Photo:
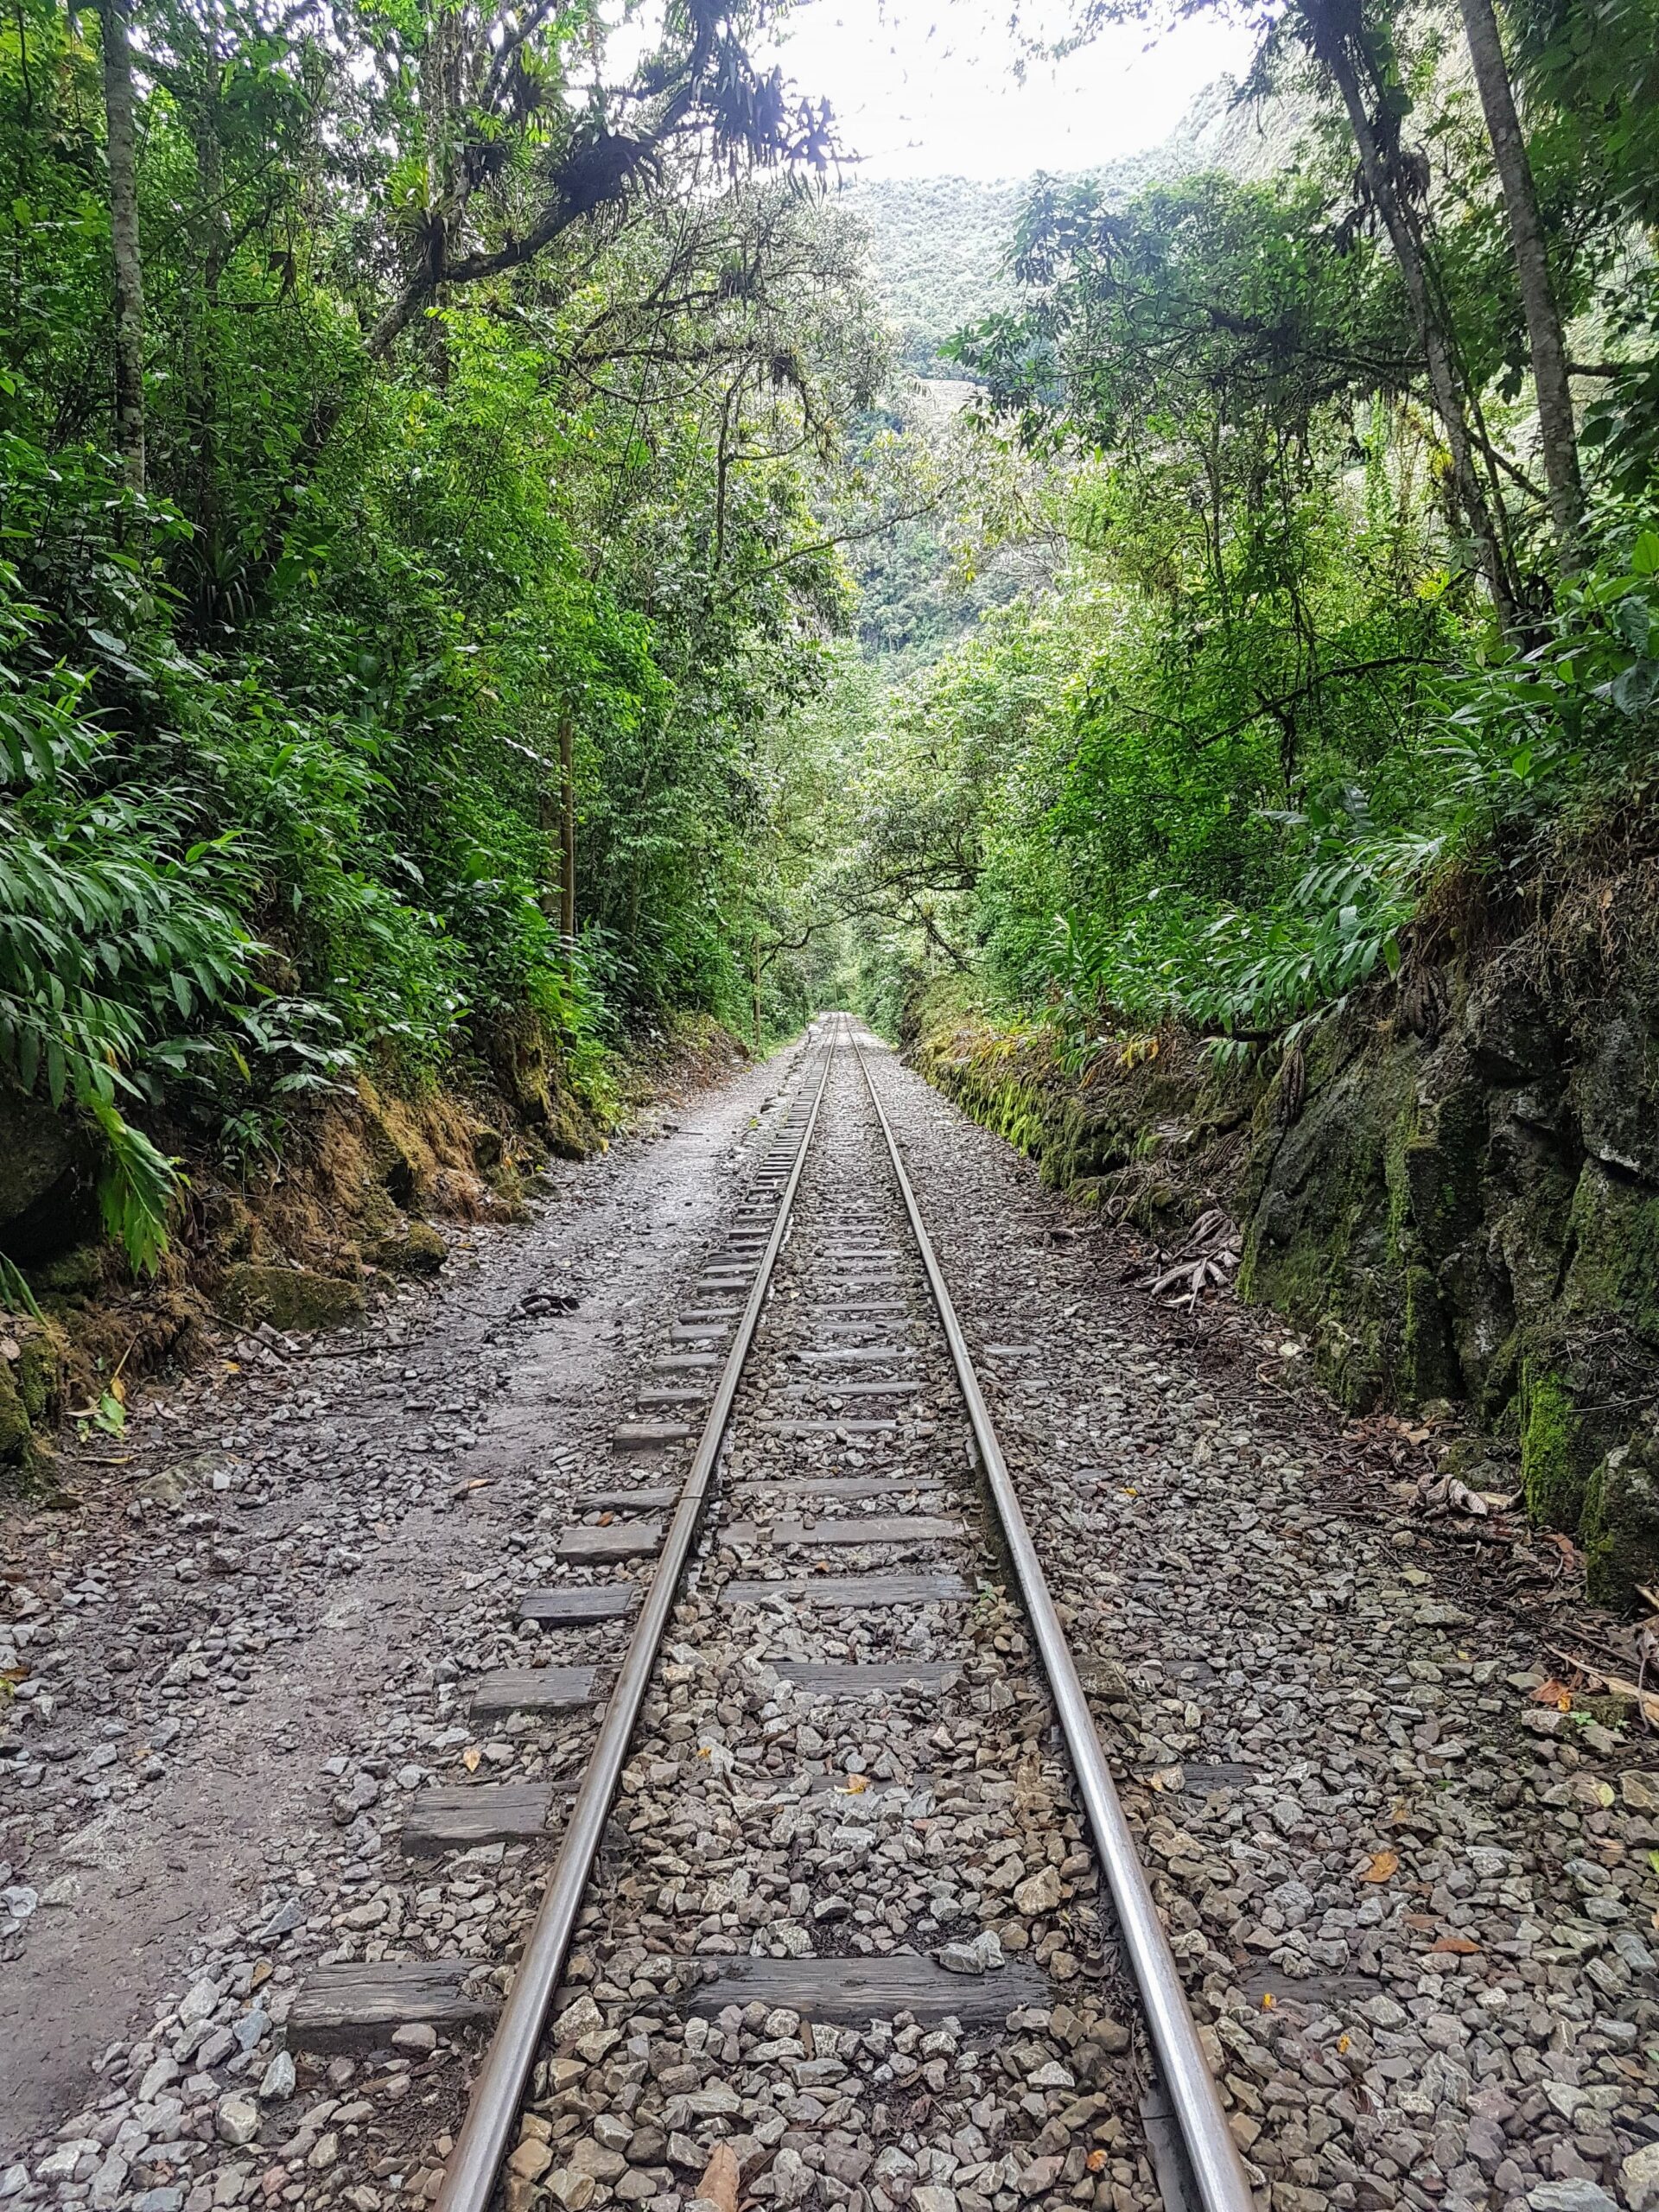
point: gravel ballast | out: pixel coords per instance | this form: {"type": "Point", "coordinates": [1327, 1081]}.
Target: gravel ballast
{"type": "Point", "coordinates": [847, 1942]}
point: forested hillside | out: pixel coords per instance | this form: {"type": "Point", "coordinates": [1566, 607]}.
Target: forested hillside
{"type": "Point", "coordinates": [415, 470]}
{"type": "Point", "coordinates": [1286, 863]}
{"type": "Point", "coordinates": [942, 247]}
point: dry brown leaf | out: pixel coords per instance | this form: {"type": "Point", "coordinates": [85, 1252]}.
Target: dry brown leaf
{"type": "Point", "coordinates": [1460, 1944]}
{"type": "Point", "coordinates": [720, 2178]}
{"type": "Point", "coordinates": [470, 1758]}
{"type": "Point", "coordinates": [1383, 1866]}
{"type": "Point", "coordinates": [1552, 1693]}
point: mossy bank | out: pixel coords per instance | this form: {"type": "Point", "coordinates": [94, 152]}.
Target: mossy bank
{"type": "Point", "coordinates": [1452, 1189]}
{"type": "Point", "coordinates": [310, 1236]}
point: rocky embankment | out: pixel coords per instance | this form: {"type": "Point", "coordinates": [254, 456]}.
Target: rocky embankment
{"type": "Point", "coordinates": [1452, 1189]}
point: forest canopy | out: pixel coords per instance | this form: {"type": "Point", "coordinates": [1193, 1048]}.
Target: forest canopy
{"type": "Point", "coordinates": [1344, 472]}
{"type": "Point", "coordinates": [418, 452]}
{"type": "Point", "coordinates": [480, 569]}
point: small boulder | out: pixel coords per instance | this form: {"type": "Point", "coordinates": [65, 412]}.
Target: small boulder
{"type": "Point", "coordinates": [277, 2083]}
{"type": "Point", "coordinates": [1039, 1892]}
{"type": "Point", "coordinates": [1620, 1527]}
{"type": "Point", "coordinates": [1574, 2195]}
{"type": "Point", "coordinates": [236, 2119]}
{"type": "Point", "coordinates": [419, 1251]}
{"type": "Point", "coordinates": [288, 1298]}
{"type": "Point", "coordinates": [982, 1955]}
{"type": "Point", "coordinates": [1640, 2174]}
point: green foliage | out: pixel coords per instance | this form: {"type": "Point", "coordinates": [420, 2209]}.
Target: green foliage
{"type": "Point", "coordinates": [117, 936]}
{"type": "Point", "coordinates": [1211, 772]}
{"type": "Point", "coordinates": [281, 732]}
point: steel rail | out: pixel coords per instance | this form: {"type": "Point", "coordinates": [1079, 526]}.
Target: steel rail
{"type": "Point", "coordinates": [1218, 2165]}
{"type": "Point", "coordinates": [474, 2166]}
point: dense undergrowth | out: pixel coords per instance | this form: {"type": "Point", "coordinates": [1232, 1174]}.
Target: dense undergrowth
{"type": "Point", "coordinates": [399, 626]}
{"type": "Point", "coordinates": [1210, 771]}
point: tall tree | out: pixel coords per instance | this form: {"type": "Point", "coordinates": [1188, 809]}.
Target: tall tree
{"type": "Point", "coordinates": [1344, 44]}
{"type": "Point", "coordinates": [505, 117]}
{"type": "Point", "coordinates": [1558, 432]}
{"type": "Point", "coordinates": [121, 144]}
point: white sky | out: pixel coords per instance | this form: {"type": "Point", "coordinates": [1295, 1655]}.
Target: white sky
{"type": "Point", "coordinates": [926, 87]}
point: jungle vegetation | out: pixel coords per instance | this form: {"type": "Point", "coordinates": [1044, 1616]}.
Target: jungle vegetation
{"type": "Point", "coordinates": [439, 463]}
{"type": "Point", "coordinates": [1345, 477]}
{"type": "Point", "coordinates": [422, 472]}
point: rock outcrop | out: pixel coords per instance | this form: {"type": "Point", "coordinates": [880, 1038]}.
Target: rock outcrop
{"type": "Point", "coordinates": [1463, 1207]}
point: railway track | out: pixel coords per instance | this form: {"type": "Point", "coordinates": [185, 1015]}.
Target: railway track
{"type": "Point", "coordinates": [844, 1910]}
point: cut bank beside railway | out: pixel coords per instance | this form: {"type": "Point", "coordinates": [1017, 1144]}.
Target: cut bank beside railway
{"type": "Point", "coordinates": [1451, 1186]}
{"type": "Point", "coordinates": [368, 1186]}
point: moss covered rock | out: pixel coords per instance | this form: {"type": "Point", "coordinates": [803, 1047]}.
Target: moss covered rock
{"type": "Point", "coordinates": [1469, 1213]}
{"type": "Point", "coordinates": [16, 1430]}
{"type": "Point", "coordinates": [1553, 1469]}
{"type": "Point", "coordinates": [526, 1066]}
{"type": "Point", "coordinates": [33, 1367]}
{"type": "Point", "coordinates": [1324, 1244]}
{"type": "Point", "coordinates": [400, 1160]}
{"type": "Point", "coordinates": [81, 1272]}
{"type": "Point", "coordinates": [288, 1298]}
{"type": "Point", "coordinates": [1620, 1523]}
{"type": "Point", "coordinates": [40, 1370]}
{"type": "Point", "coordinates": [420, 1250]}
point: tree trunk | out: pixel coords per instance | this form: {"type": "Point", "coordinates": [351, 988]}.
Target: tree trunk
{"type": "Point", "coordinates": [1332, 48]}
{"type": "Point", "coordinates": [566, 841]}
{"type": "Point", "coordinates": [201, 384]}
{"type": "Point", "coordinates": [1557, 429]}
{"type": "Point", "coordinates": [122, 143]}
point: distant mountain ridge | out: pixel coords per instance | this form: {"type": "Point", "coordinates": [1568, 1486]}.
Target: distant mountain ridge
{"type": "Point", "coordinates": [939, 245]}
